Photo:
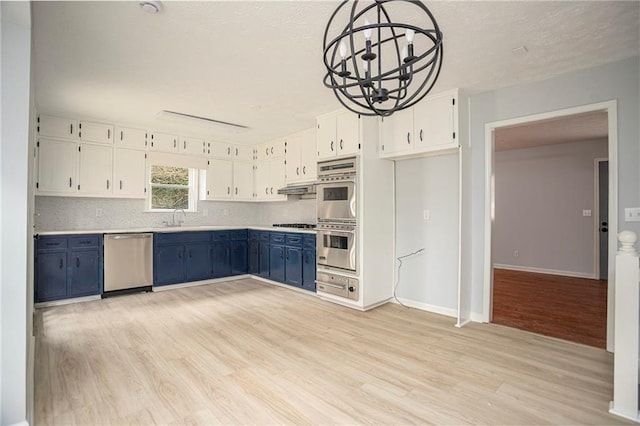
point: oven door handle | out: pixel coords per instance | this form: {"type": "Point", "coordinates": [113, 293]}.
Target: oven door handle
{"type": "Point", "coordinates": [342, 287]}
{"type": "Point", "coordinates": [332, 232]}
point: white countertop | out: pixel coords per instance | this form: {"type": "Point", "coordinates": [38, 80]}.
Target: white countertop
{"type": "Point", "coordinates": [176, 229]}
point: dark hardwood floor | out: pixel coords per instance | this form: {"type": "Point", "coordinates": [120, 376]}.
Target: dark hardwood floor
{"type": "Point", "coordinates": [569, 308]}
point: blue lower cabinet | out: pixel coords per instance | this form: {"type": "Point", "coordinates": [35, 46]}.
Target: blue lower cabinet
{"type": "Point", "coordinates": [199, 261]}
{"type": "Point", "coordinates": [309, 269]}
{"type": "Point", "coordinates": [293, 266]}
{"type": "Point", "coordinates": [168, 265]}
{"type": "Point", "coordinates": [86, 273]}
{"type": "Point", "coordinates": [67, 266]}
{"type": "Point", "coordinates": [276, 263]}
{"type": "Point", "coordinates": [264, 260]}
{"type": "Point", "coordinates": [51, 276]}
{"type": "Point", "coordinates": [239, 261]}
{"type": "Point", "coordinates": [254, 257]}
{"type": "Point", "coordinates": [221, 259]}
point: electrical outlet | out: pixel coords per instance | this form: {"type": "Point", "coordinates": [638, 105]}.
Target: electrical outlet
{"type": "Point", "coordinates": [98, 212]}
{"type": "Point", "coordinates": [586, 213]}
{"type": "Point", "coordinates": [516, 253]}
{"type": "Point", "coordinates": [426, 215]}
{"type": "Point", "coordinates": [632, 214]}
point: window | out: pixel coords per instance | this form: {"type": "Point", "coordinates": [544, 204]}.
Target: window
{"type": "Point", "coordinates": [172, 188]}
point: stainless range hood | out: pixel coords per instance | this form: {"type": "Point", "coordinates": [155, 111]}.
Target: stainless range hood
{"type": "Point", "coordinates": [306, 190]}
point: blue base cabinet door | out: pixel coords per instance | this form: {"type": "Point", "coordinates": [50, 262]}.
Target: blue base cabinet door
{"type": "Point", "coordinates": [293, 266]}
{"type": "Point", "coordinates": [239, 257]}
{"type": "Point", "coordinates": [168, 267]}
{"type": "Point", "coordinates": [199, 262]}
{"type": "Point", "coordinates": [51, 276]}
{"type": "Point", "coordinates": [264, 260]}
{"type": "Point", "coordinates": [276, 263]}
{"type": "Point", "coordinates": [309, 269]}
{"type": "Point", "coordinates": [254, 257]}
{"type": "Point", "coordinates": [221, 259]}
{"type": "Point", "coordinates": [85, 273]}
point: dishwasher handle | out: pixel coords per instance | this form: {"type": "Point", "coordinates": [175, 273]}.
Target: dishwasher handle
{"type": "Point", "coordinates": [128, 236]}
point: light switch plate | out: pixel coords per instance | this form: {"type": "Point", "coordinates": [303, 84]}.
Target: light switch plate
{"type": "Point", "coordinates": [586, 213]}
{"type": "Point", "coordinates": [632, 214]}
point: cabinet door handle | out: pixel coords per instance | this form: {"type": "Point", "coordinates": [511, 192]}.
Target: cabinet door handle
{"type": "Point", "coordinates": [184, 144]}
{"type": "Point", "coordinates": [71, 128]}
{"type": "Point", "coordinates": [408, 138]}
{"type": "Point", "coordinates": [180, 255]}
{"type": "Point", "coordinates": [236, 190]}
{"type": "Point", "coordinates": [61, 263]}
{"type": "Point", "coordinates": [236, 152]}
{"type": "Point", "coordinates": [266, 151]}
{"type": "Point", "coordinates": [331, 145]}
{"type": "Point", "coordinates": [420, 135]}
{"type": "Point", "coordinates": [266, 191]}
{"type": "Point", "coordinates": [107, 183]}
{"type": "Point", "coordinates": [228, 150]}
{"type": "Point", "coordinates": [175, 143]}
{"type": "Point", "coordinates": [77, 261]}
{"type": "Point", "coordinates": [272, 190]}
{"type": "Point", "coordinates": [271, 150]}
{"type": "Point", "coordinates": [228, 190]}
{"type": "Point", "coordinates": [108, 133]}
{"type": "Point", "coordinates": [304, 170]}
{"type": "Point", "coordinates": [70, 183]}
{"type": "Point", "coordinates": [120, 184]}
{"type": "Point", "coordinates": [341, 145]}
{"type": "Point", "coordinates": [121, 134]}
{"type": "Point", "coordinates": [298, 171]}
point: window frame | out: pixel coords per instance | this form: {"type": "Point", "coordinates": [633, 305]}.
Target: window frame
{"type": "Point", "coordinates": [192, 190]}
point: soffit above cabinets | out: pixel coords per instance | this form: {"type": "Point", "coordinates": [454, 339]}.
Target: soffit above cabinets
{"type": "Point", "coordinates": [259, 63]}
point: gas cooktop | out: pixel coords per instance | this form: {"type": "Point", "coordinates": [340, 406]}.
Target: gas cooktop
{"type": "Point", "coordinates": [295, 225]}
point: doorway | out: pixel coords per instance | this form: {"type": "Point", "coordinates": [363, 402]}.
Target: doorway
{"type": "Point", "coordinates": [608, 251]}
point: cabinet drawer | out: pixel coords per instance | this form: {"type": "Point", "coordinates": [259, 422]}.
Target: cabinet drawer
{"type": "Point", "coordinates": [51, 243]}
{"type": "Point", "coordinates": [79, 241]}
{"type": "Point", "coordinates": [277, 237]}
{"type": "Point", "coordinates": [238, 234]}
{"type": "Point", "coordinates": [294, 240]}
{"type": "Point", "coordinates": [182, 237]}
{"type": "Point", "coordinates": [309, 242]}
{"type": "Point", "coordinates": [264, 236]}
{"type": "Point", "coordinates": [221, 235]}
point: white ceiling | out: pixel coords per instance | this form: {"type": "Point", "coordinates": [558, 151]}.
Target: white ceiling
{"type": "Point", "coordinates": [574, 128]}
{"type": "Point", "coordinates": [259, 63]}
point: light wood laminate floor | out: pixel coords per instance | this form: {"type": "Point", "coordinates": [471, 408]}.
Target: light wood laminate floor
{"type": "Point", "coordinates": [244, 352]}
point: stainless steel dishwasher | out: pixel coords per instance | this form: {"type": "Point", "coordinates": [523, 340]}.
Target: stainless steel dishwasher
{"type": "Point", "coordinates": [128, 261]}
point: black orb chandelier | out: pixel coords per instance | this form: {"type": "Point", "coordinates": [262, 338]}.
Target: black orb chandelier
{"type": "Point", "coordinates": [381, 67]}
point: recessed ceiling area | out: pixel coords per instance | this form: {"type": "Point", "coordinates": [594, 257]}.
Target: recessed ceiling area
{"type": "Point", "coordinates": [588, 126]}
{"type": "Point", "coordinates": [259, 63]}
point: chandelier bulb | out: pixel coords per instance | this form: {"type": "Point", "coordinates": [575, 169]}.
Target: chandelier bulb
{"type": "Point", "coordinates": [367, 31]}
{"type": "Point", "coordinates": [410, 34]}
{"type": "Point", "coordinates": [343, 49]}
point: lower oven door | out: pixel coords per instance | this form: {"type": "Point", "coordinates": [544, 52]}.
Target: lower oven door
{"type": "Point", "coordinates": [337, 249]}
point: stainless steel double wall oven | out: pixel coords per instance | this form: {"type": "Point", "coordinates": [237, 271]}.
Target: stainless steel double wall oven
{"type": "Point", "coordinates": [337, 241]}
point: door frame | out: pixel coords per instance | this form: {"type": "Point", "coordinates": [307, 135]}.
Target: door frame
{"type": "Point", "coordinates": [612, 117]}
{"type": "Point", "coordinates": [596, 209]}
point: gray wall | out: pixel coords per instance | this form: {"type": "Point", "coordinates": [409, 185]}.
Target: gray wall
{"type": "Point", "coordinates": [14, 235]}
{"type": "Point", "coordinates": [428, 280]}
{"type": "Point", "coordinates": [618, 80]}
{"type": "Point", "coordinates": [540, 195]}
{"type": "Point", "coordinates": [74, 213]}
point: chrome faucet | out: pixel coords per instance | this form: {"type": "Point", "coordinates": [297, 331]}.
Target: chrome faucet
{"type": "Point", "coordinates": [180, 222]}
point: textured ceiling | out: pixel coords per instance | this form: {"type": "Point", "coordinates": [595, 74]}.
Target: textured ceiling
{"type": "Point", "coordinates": [574, 128]}
{"type": "Point", "coordinates": [259, 63]}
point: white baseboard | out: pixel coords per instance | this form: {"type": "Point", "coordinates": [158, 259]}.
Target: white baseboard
{"type": "Point", "coordinates": [22, 423]}
{"type": "Point", "coordinates": [197, 283]}
{"type": "Point", "coordinates": [545, 271]}
{"type": "Point", "coordinates": [613, 411]}
{"type": "Point", "coordinates": [66, 301]}
{"type": "Point", "coordinates": [287, 286]}
{"type": "Point", "coordinates": [450, 312]}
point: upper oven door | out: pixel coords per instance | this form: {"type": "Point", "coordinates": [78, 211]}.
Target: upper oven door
{"type": "Point", "coordinates": [337, 201]}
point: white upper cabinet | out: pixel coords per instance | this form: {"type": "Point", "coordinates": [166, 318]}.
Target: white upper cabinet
{"type": "Point", "coordinates": [242, 180]}
{"type": "Point", "coordinates": [89, 131]}
{"type": "Point", "coordinates": [57, 166]}
{"type": "Point", "coordinates": [132, 138]}
{"type": "Point", "coordinates": [301, 157]}
{"type": "Point", "coordinates": [269, 177]}
{"type": "Point", "coordinates": [192, 146]}
{"type": "Point", "coordinates": [270, 150]}
{"type": "Point", "coordinates": [219, 150]}
{"type": "Point", "coordinates": [57, 127]}
{"type": "Point", "coordinates": [219, 180]}
{"type": "Point", "coordinates": [129, 173]}
{"type": "Point", "coordinates": [96, 170]}
{"type": "Point", "coordinates": [243, 153]}
{"type": "Point", "coordinates": [428, 128]}
{"type": "Point", "coordinates": [338, 134]}
{"type": "Point", "coordinates": [164, 142]}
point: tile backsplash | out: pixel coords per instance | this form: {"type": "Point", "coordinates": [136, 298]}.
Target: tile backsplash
{"type": "Point", "coordinates": [75, 213]}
